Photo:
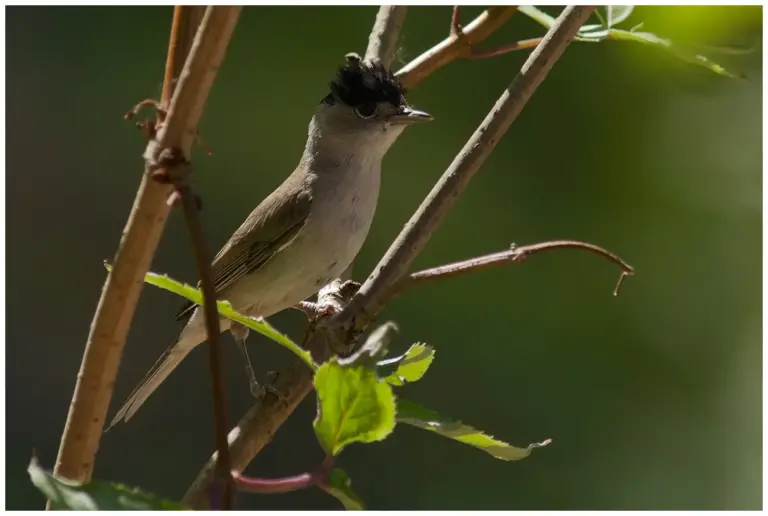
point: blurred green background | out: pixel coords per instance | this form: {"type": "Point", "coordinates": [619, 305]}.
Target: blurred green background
{"type": "Point", "coordinates": [652, 399]}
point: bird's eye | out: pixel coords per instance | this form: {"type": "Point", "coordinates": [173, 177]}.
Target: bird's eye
{"type": "Point", "coordinates": [366, 110]}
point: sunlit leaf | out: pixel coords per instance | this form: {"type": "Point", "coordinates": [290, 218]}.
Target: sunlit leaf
{"type": "Point", "coordinates": [411, 366]}
{"type": "Point", "coordinates": [537, 15]}
{"type": "Point", "coordinates": [94, 496]}
{"type": "Point", "coordinates": [649, 38]}
{"type": "Point", "coordinates": [421, 417]}
{"type": "Point", "coordinates": [353, 405]}
{"type": "Point", "coordinates": [225, 309]}
{"type": "Point", "coordinates": [374, 347]}
{"type": "Point", "coordinates": [616, 14]}
{"type": "Point", "coordinates": [340, 486]}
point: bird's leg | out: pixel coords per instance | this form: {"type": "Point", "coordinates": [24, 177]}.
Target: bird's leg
{"type": "Point", "coordinates": [240, 334]}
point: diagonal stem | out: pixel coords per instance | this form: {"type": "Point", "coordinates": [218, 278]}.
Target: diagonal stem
{"type": "Point", "coordinates": [114, 312]}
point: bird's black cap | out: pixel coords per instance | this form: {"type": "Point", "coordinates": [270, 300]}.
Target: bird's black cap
{"type": "Point", "coordinates": [360, 82]}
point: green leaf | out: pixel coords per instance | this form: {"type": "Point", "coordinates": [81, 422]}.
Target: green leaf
{"type": "Point", "coordinates": [94, 496]}
{"type": "Point", "coordinates": [375, 346]}
{"type": "Point", "coordinates": [340, 486]}
{"type": "Point", "coordinates": [353, 405]}
{"type": "Point", "coordinates": [616, 14]}
{"type": "Point", "coordinates": [418, 416]}
{"type": "Point", "coordinates": [536, 15]}
{"type": "Point", "coordinates": [411, 366]}
{"type": "Point", "coordinates": [225, 309]}
{"type": "Point", "coordinates": [649, 38]}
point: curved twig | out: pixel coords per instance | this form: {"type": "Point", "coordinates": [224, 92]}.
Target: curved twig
{"type": "Point", "coordinates": [459, 43]}
{"type": "Point", "coordinates": [512, 255]}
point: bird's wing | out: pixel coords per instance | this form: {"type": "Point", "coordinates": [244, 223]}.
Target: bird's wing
{"type": "Point", "coordinates": [267, 230]}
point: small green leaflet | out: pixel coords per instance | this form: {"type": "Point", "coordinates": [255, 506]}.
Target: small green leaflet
{"type": "Point", "coordinates": [353, 405]}
{"type": "Point", "coordinates": [94, 496]}
{"type": "Point", "coordinates": [609, 16]}
{"type": "Point", "coordinates": [605, 30]}
{"type": "Point", "coordinates": [421, 417]}
{"type": "Point", "coordinates": [375, 346]}
{"type": "Point", "coordinates": [340, 486]}
{"type": "Point", "coordinates": [411, 366]}
{"type": "Point", "coordinates": [648, 38]}
{"type": "Point", "coordinates": [258, 325]}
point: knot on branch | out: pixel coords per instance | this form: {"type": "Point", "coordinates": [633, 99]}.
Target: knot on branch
{"type": "Point", "coordinates": [169, 166]}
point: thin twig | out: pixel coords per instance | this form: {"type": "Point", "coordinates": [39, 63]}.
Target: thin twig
{"type": "Point", "coordinates": [438, 203]}
{"type": "Point", "coordinates": [512, 255]}
{"type": "Point", "coordinates": [173, 60]}
{"type": "Point", "coordinates": [114, 312]}
{"type": "Point", "coordinates": [203, 259]}
{"type": "Point", "coordinates": [505, 49]}
{"type": "Point", "coordinates": [382, 43]}
{"type": "Point", "coordinates": [456, 20]}
{"type": "Point", "coordinates": [174, 168]}
{"type": "Point", "coordinates": [456, 45]}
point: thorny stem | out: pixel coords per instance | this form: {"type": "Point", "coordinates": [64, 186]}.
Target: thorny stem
{"type": "Point", "coordinates": [513, 255]}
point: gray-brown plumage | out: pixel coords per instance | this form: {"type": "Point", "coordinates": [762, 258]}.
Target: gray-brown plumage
{"type": "Point", "coordinates": [307, 231]}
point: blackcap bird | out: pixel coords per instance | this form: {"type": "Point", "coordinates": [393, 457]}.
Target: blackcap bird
{"type": "Point", "coordinates": [308, 231]}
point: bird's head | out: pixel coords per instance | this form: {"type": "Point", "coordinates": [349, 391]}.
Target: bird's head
{"type": "Point", "coordinates": [366, 106]}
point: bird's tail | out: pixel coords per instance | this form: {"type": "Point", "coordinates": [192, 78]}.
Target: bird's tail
{"type": "Point", "coordinates": [167, 362]}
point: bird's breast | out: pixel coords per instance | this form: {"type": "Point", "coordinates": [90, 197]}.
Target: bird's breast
{"type": "Point", "coordinates": [343, 208]}
{"type": "Point", "coordinates": [339, 218]}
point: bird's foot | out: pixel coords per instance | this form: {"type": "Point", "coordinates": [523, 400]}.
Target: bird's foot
{"type": "Point", "coordinates": [269, 386]}
{"type": "Point", "coordinates": [257, 389]}
{"type": "Point", "coordinates": [349, 288]}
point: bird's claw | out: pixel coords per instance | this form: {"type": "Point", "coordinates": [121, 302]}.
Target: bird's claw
{"type": "Point", "coordinates": [257, 390]}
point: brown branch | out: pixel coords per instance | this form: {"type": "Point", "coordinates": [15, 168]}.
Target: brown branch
{"type": "Point", "coordinates": [173, 168]}
{"type": "Point", "coordinates": [456, 45]}
{"type": "Point", "coordinates": [203, 259]}
{"type": "Point", "coordinates": [455, 21]}
{"type": "Point", "coordinates": [98, 370]}
{"type": "Point", "coordinates": [382, 43]}
{"type": "Point", "coordinates": [512, 255]}
{"type": "Point", "coordinates": [393, 266]}
{"type": "Point", "coordinates": [505, 49]}
{"type": "Point", "coordinates": [258, 426]}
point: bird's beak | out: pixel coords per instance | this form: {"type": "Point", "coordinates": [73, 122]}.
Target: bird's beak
{"type": "Point", "coordinates": [410, 116]}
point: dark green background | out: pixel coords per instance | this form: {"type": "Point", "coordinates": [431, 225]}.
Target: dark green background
{"type": "Point", "coordinates": [652, 399]}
